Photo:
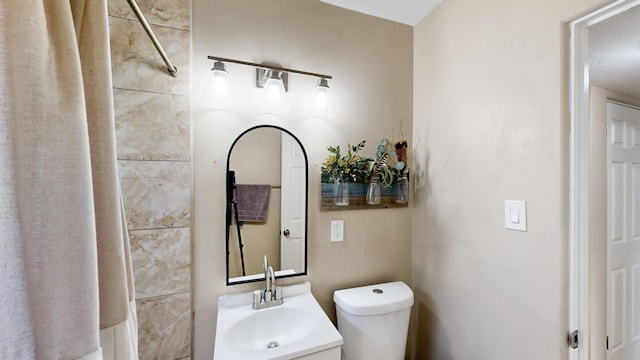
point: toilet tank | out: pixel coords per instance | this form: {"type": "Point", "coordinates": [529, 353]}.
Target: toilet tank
{"type": "Point", "coordinates": [373, 320]}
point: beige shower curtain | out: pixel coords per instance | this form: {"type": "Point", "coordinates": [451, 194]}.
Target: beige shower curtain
{"type": "Point", "coordinates": [66, 290]}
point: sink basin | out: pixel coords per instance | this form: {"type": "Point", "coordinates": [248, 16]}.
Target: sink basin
{"type": "Point", "coordinates": [271, 328]}
{"type": "Point", "coordinates": [296, 328]}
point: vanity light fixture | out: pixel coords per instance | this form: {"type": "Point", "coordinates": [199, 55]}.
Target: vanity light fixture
{"type": "Point", "coordinates": [275, 79]}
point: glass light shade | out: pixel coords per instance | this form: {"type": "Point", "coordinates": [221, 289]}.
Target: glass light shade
{"type": "Point", "coordinates": [322, 102]}
{"type": "Point", "coordinates": [218, 85]}
{"type": "Point", "coordinates": [220, 82]}
{"type": "Point", "coordinates": [322, 95]}
{"type": "Point", "coordinates": [274, 87]}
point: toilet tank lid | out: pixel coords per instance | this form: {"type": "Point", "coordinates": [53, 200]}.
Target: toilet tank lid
{"type": "Point", "coordinates": [374, 299]}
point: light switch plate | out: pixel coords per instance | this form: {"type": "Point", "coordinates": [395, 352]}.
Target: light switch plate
{"type": "Point", "coordinates": [337, 230]}
{"type": "Point", "coordinates": [515, 215]}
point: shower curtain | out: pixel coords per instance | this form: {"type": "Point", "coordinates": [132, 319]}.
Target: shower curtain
{"type": "Point", "coordinates": [66, 287]}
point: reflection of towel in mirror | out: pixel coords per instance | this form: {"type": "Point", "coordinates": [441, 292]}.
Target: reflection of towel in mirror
{"type": "Point", "coordinates": [252, 202]}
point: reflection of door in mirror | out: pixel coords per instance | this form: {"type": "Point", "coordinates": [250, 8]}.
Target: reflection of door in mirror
{"type": "Point", "coordinates": [293, 205]}
{"type": "Point", "coordinates": [273, 160]}
{"type": "Point", "coordinates": [256, 160]}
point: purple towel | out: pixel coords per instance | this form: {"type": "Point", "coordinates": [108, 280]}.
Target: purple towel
{"type": "Point", "coordinates": [252, 202]}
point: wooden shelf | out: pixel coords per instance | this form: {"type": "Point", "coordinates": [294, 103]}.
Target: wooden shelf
{"type": "Point", "coordinates": [357, 198]}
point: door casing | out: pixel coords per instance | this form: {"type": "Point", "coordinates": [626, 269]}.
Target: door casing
{"type": "Point", "coordinates": [579, 270]}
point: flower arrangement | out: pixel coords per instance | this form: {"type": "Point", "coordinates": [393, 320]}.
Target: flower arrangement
{"type": "Point", "coordinates": [402, 166]}
{"type": "Point", "coordinates": [402, 171]}
{"type": "Point", "coordinates": [389, 168]}
{"type": "Point", "coordinates": [391, 161]}
{"type": "Point", "coordinates": [349, 167]}
{"type": "Point", "coordinates": [381, 168]}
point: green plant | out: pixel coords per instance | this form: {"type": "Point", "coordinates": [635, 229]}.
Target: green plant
{"type": "Point", "coordinates": [349, 167]}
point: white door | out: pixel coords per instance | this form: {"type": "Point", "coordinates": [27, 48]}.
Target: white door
{"type": "Point", "coordinates": [292, 213]}
{"type": "Point", "coordinates": [623, 232]}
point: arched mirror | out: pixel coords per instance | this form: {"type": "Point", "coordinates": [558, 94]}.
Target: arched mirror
{"type": "Point", "coordinates": [267, 178]}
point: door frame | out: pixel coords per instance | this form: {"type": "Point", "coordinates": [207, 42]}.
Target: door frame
{"type": "Point", "coordinates": [579, 167]}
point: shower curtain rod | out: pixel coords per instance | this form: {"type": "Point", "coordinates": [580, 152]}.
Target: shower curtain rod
{"type": "Point", "coordinates": [172, 69]}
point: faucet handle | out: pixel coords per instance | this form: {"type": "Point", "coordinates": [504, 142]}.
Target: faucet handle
{"type": "Point", "coordinates": [266, 296]}
{"type": "Point", "coordinates": [265, 265]}
{"type": "Point", "coordinates": [278, 293]}
{"type": "Point", "coordinates": [257, 299]}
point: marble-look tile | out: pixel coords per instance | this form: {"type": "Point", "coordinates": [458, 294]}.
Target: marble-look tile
{"type": "Point", "coordinates": [151, 126]}
{"type": "Point", "coordinates": [161, 261]}
{"type": "Point", "coordinates": [157, 194]}
{"type": "Point", "coordinates": [164, 327]}
{"type": "Point", "coordinates": [136, 64]}
{"type": "Point", "coordinates": [171, 13]}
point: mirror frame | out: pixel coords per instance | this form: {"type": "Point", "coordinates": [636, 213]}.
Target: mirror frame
{"type": "Point", "coordinates": [229, 195]}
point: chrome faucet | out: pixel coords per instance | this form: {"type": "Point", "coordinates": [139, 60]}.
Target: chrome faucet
{"type": "Point", "coordinates": [272, 294]}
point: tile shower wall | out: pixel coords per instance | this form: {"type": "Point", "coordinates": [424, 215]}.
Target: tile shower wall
{"type": "Point", "coordinates": [152, 111]}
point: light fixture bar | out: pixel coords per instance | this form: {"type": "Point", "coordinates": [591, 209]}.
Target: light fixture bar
{"type": "Point", "coordinates": [263, 66]}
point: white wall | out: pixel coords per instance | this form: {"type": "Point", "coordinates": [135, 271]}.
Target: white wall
{"type": "Point", "coordinates": [371, 61]}
{"type": "Point", "coordinates": [491, 124]}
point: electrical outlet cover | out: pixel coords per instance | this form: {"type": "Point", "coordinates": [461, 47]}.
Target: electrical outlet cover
{"type": "Point", "coordinates": [337, 230]}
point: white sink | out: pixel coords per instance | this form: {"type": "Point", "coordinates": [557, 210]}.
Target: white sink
{"type": "Point", "coordinates": [274, 327]}
{"type": "Point", "coordinates": [296, 328]}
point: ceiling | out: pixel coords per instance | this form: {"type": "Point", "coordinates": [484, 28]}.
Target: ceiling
{"type": "Point", "coordinates": [408, 12]}
{"type": "Point", "coordinates": [614, 53]}
{"type": "Point", "coordinates": [614, 44]}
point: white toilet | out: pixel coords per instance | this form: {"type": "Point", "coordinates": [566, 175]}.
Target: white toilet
{"type": "Point", "coordinates": [373, 321]}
